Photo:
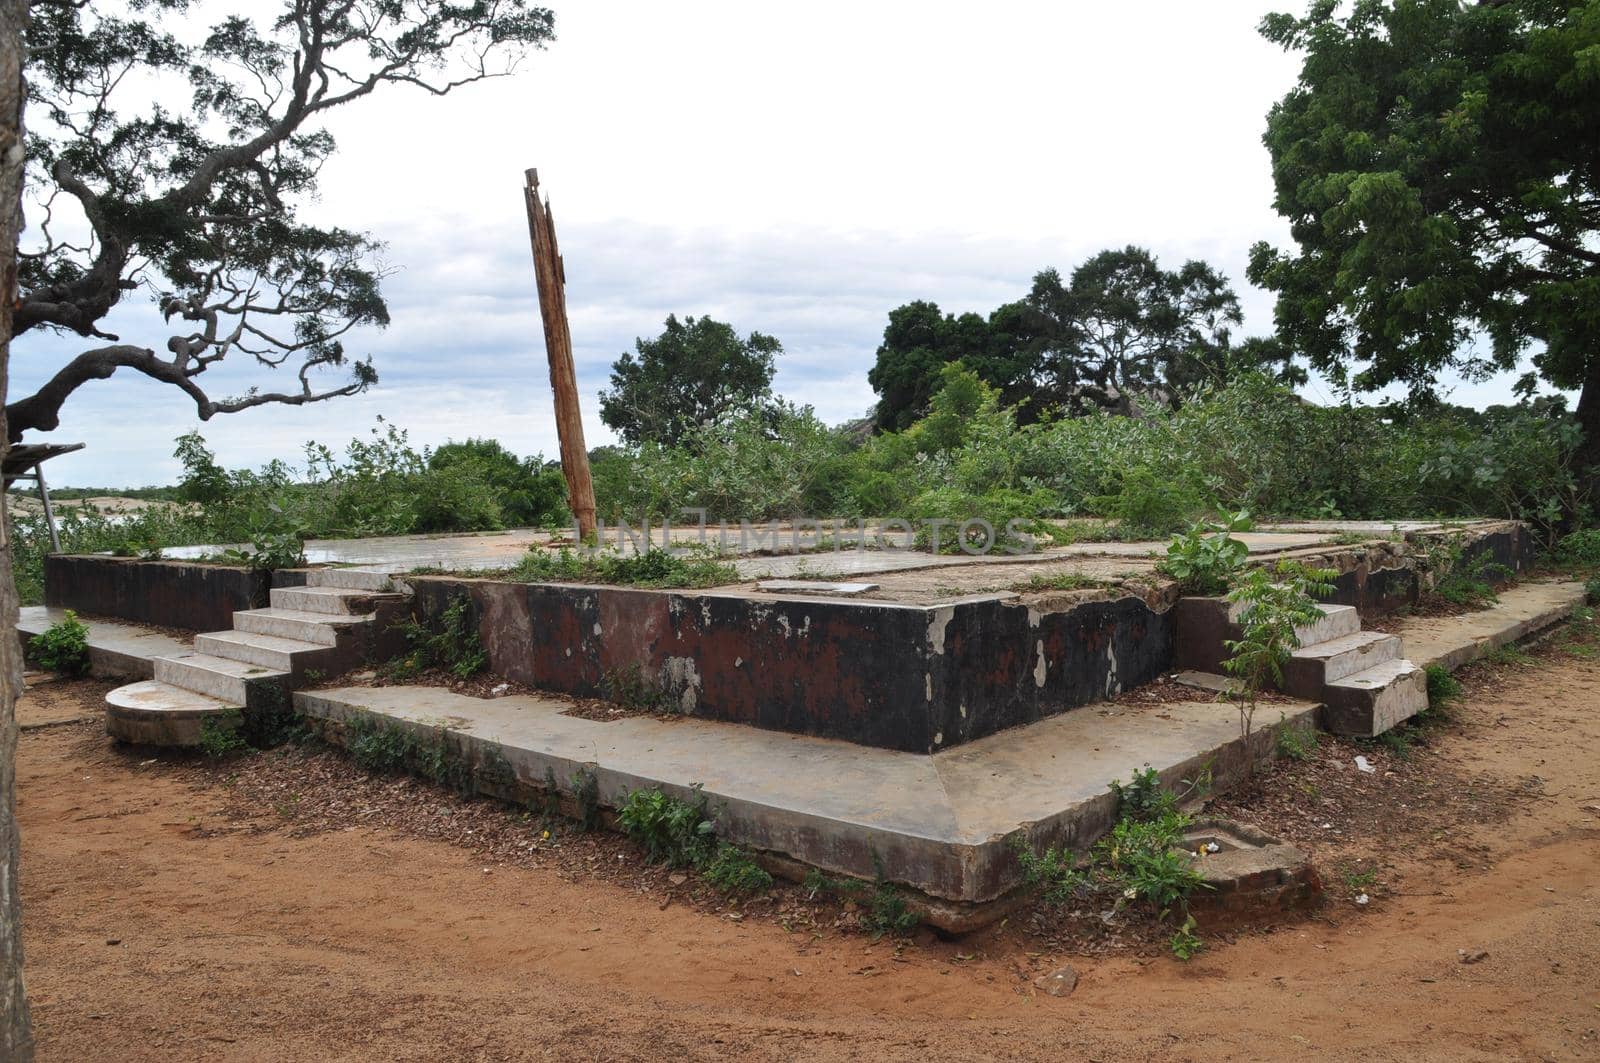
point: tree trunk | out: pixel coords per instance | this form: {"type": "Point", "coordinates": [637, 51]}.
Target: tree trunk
{"type": "Point", "coordinates": [1589, 424]}
{"type": "Point", "coordinates": [16, 1028]}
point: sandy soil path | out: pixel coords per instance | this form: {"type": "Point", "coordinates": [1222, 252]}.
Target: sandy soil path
{"type": "Point", "coordinates": [161, 925]}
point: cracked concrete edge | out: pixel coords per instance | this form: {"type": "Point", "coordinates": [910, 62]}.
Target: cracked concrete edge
{"type": "Point", "coordinates": [960, 882]}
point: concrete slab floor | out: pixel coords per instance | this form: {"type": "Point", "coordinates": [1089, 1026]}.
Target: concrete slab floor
{"type": "Point", "coordinates": [491, 550]}
{"type": "Point", "coordinates": [114, 649]}
{"type": "Point", "coordinates": [1522, 611]}
{"type": "Point", "coordinates": [939, 823]}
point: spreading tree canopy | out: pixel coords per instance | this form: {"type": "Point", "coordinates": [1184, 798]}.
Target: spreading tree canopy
{"type": "Point", "coordinates": [194, 200]}
{"type": "Point", "coordinates": [1121, 328]}
{"type": "Point", "coordinates": [1439, 164]}
{"type": "Point", "coordinates": [696, 372]}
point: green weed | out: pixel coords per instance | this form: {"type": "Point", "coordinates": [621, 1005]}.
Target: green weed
{"type": "Point", "coordinates": [732, 870]}
{"type": "Point", "coordinates": [62, 647]}
{"type": "Point", "coordinates": [220, 737]}
{"type": "Point", "coordinates": [683, 567]}
{"type": "Point", "coordinates": [1296, 741]}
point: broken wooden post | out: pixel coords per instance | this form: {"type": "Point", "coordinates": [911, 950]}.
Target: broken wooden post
{"type": "Point", "coordinates": [552, 280]}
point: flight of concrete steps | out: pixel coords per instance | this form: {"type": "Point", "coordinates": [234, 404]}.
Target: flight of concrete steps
{"type": "Point", "coordinates": [1364, 684]}
{"type": "Point", "coordinates": [323, 627]}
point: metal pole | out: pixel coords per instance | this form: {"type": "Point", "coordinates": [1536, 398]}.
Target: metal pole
{"type": "Point", "coordinates": [49, 514]}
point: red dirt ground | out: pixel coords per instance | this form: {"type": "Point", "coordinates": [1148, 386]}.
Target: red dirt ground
{"type": "Point", "coordinates": [172, 913]}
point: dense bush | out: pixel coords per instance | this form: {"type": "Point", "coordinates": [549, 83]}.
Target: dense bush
{"type": "Point", "coordinates": [1252, 444]}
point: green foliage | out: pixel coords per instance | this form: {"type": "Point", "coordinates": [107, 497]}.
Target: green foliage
{"type": "Point", "coordinates": [449, 641]}
{"type": "Point", "coordinates": [1443, 687]}
{"type": "Point", "coordinates": [527, 491]}
{"type": "Point", "coordinates": [63, 646]}
{"type": "Point", "coordinates": [1579, 549]}
{"type": "Point", "coordinates": [1054, 872]}
{"type": "Point", "coordinates": [1121, 334]}
{"type": "Point", "coordinates": [1591, 589]}
{"type": "Point", "coordinates": [221, 736]}
{"type": "Point", "coordinates": [732, 870]}
{"type": "Point", "coordinates": [1143, 856]}
{"type": "Point", "coordinates": [1296, 741]}
{"type": "Point", "coordinates": [386, 749]}
{"type": "Point", "coordinates": [673, 831]}
{"type": "Point", "coordinates": [1185, 943]}
{"type": "Point", "coordinates": [1205, 559]}
{"type": "Point", "coordinates": [1144, 798]}
{"type": "Point", "coordinates": [695, 373]}
{"type": "Point", "coordinates": [1434, 160]}
{"type": "Point", "coordinates": [1149, 503]}
{"type": "Point", "coordinates": [887, 912]}
{"type": "Point", "coordinates": [1276, 602]}
{"type": "Point", "coordinates": [684, 567]}
{"type": "Point", "coordinates": [199, 198]}
{"type": "Point", "coordinates": [1460, 579]}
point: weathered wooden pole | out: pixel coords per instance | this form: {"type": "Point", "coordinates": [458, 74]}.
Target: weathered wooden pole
{"type": "Point", "coordinates": [552, 281]}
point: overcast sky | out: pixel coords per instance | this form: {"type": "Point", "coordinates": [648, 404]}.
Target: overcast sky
{"type": "Point", "coordinates": [795, 170]}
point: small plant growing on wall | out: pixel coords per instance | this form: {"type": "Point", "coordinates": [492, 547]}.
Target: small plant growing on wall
{"type": "Point", "coordinates": [1275, 602]}
{"type": "Point", "coordinates": [63, 646]}
{"type": "Point", "coordinates": [1205, 559]}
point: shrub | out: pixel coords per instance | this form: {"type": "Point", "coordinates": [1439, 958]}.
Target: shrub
{"type": "Point", "coordinates": [732, 870]}
{"type": "Point", "coordinates": [63, 646]}
{"type": "Point", "coordinates": [449, 642]}
{"type": "Point", "coordinates": [1580, 549]}
{"type": "Point", "coordinates": [1296, 741]}
{"type": "Point", "coordinates": [1276, 602]}
{"type": "Point", "coordinates": [673, 831]}
{"type": "Point", "coordinates": [1205, 560]}
{"type": "Point", "coordinates": [1149, 503]}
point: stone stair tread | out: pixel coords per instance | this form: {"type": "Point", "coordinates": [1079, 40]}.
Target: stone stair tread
{"type": "Point", "coordinates": [1343, 644]}
{"type": "Point", "coordinates": [224, 665]}
{"type": "Point", "coordinates": [152, 695]}
{"type": "Point", "coordinates": [330, 592]}
{"type": "Point", "coordinates": [1379, 675]}
{"type": "Point", "coordinates": [266, 642]}
{"type": "Point", "coordinates": [303, 616]}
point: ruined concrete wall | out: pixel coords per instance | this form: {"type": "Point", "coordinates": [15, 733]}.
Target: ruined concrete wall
{"type": "Point", "coordinates": [1002, 663]}
{"type": "Point", "coordinates": [167, 593]}
{"type": "Point", "coordinates": [840, 669]}
{"type": "Point", "coordinates": [877, 673]}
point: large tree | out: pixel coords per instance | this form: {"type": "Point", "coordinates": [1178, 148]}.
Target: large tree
{"type": "Point", "coordinates": [16, 1029]}
{"type": "Point", "coordinates": [1439, 164]}
{"type": "Point", "coordinates": [1124, 328]}
{"type": "Point", "coordinates": [694, 373]}
{"type": "Point", "coordinates": [919, 341]}
{"type": "Point", "coordinates": [173, 160]}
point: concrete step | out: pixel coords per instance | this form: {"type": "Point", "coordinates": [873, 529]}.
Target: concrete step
{"type": "Point", "coordinates": [1372, 701]}
{"type": "Point", "coordinates": [268, 651]}
{"type": "Point", "coordinates": [339, 601]}
{"type": "Point", "coordinates": [1337, 621]}
{"type": "Point", "coordinates": [322, 628]}
{"type": "Point", "coordinates": [217, 677]}
{"type": "Point", "coordinates": [354, 579]}
{"type": "Point", "coordinates": [1310, 668]}
{"type": "Point", "coordinates": [153, 713]}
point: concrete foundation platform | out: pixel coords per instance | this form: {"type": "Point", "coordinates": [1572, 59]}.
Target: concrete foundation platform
{"type": "Point", "coordinates": [941, 824]}
{"type": "Point", "coordinates": [116, 651]}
